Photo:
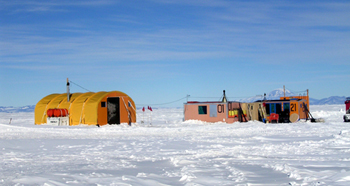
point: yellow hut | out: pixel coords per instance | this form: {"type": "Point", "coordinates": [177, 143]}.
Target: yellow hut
{"type": "Point", "coordinates": [89, 108]}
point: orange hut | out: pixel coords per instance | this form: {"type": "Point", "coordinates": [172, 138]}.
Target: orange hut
{"type": "Point", "coordinates": [224, 111]}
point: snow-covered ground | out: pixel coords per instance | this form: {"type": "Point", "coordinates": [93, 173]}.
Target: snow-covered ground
{"type": "Point", "coordinates": [173, 152]}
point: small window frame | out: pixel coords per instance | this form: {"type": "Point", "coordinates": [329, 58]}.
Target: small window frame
{"type": "Point", "coordinates": [103, 104]}
{"type": "Point", "coordinates": [202, 110]}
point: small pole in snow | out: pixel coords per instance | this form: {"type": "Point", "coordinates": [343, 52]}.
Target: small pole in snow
{"type": "Point", "coordinates": [151, 119]}
{"type": "Point", "coordinates": [150, 108]}
{"type": "Point", "coordinates": [10, 120]}
{"type": "Point", "coordinates": [143, 115]}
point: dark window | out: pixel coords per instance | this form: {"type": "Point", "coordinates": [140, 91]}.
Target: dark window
{"type": "Point", "coordinates": [273, 109]}
{"type": "Point", "coordinates": [278, 108]}
{"type": "Point", "coordinates": [202, 109]}
{"type": "Point", "coordinates": [267, 108]}
{"type": "Point", "coordinates": [103, 104]}
{"type": "Point", "coordinates": [286, 107]}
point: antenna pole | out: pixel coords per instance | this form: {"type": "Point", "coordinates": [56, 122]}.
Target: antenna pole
{"type": "Point", "coordinates": [68, 94]}
{"type": "Point", "coordinates": [284, 90]}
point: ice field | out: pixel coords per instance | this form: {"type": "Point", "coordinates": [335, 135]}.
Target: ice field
{"type": "Point", "coordinates": [173, 152]}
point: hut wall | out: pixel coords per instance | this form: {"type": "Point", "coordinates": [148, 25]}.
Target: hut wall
{"type": "Point", "coordinates": [212, 112]}
{"type": "Point", "coordinates": [253, 111]}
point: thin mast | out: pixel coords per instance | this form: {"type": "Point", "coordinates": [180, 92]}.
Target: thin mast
{"type": "Point", "coordinates": [68, 94]}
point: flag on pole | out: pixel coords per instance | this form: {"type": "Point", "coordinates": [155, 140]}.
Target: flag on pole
{"type": "Point", "coordinates": [143, 109]}
{"type": "Point", "coordinates": [149, 108]}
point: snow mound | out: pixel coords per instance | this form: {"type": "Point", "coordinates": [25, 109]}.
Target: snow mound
{"type": "Point", "coordinates": [165, 150]}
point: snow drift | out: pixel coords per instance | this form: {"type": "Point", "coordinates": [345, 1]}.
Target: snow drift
{"type": "Point", "coordinates": [172, 152]}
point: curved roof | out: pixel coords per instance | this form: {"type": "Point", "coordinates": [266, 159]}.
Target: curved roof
{"type": "Point", "coordinates": [55, 102]}
{"type": "Point", "coordinates": [65, 104]}
{"type": "Point", "coordinates": [41, 107]}
{"type": "Point", "coordinates": [83, 107]}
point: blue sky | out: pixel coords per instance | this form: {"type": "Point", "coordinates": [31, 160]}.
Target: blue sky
{"type": "Point", "coordinates": [158, 51]}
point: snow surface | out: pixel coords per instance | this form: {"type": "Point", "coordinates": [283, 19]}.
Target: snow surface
{"type": "Point", "coordinates": [173, 152]}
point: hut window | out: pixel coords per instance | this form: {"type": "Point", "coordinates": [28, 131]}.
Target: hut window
{"type": "Point", "coordinates": [103, 104]}
{"type": "Point", "coordinates": [273, 110]}
{"type": "Point", "coordinates": [202, 109]}
{"type": "Point", "coordinates": [213, 110]}
{"type": "Point", "coordinates": [278, 108]}
{"type": "Point", "coordinates": [286, 107]}
{"type": "Point", "coordinates": [267, 108]}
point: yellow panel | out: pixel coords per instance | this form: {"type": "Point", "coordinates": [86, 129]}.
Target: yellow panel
{"type": "Point", "coordinates": [91, 107]}
{"type": "Point", "coordinates": [41, 107]}
{"type": "Point", "coordinates": [76, 109]}
{"type": "Point", "coordinates": [55, 102]}
{"type": "Point", "coordinates": [65, 104]}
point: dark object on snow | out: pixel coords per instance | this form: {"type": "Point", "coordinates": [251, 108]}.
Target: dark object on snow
{"type": "Point", "coordinates": [313, 120]}
{"type": "Point", "coordinates": [308, 112]}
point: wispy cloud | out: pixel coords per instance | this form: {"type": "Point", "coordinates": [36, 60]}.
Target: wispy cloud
{"type": "Point", "coordinates": [255, 32]}
{"type": "Point", "coordinates": [196, 45]}
{"type": "Point", "coordinates": [50, 5]}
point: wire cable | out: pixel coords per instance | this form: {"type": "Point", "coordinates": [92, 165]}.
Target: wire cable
{"type": "Point", "coordinates": [80, 86]}
{"type": "Point", "coordinates": [165, 103]}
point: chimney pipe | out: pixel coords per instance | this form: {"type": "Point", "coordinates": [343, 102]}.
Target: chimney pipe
{"type": "Point", "coordinates": [224, 100]}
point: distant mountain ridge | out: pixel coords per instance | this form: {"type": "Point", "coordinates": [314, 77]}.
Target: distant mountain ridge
{"type": "Point", "coordinates": [279, 93]}
{"type": "Point", "coordinates": [333, 100]}
{"type": "Point", "coordinates": [275, 94]}
{"type": "Point", "coordinates": [28, 108]}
